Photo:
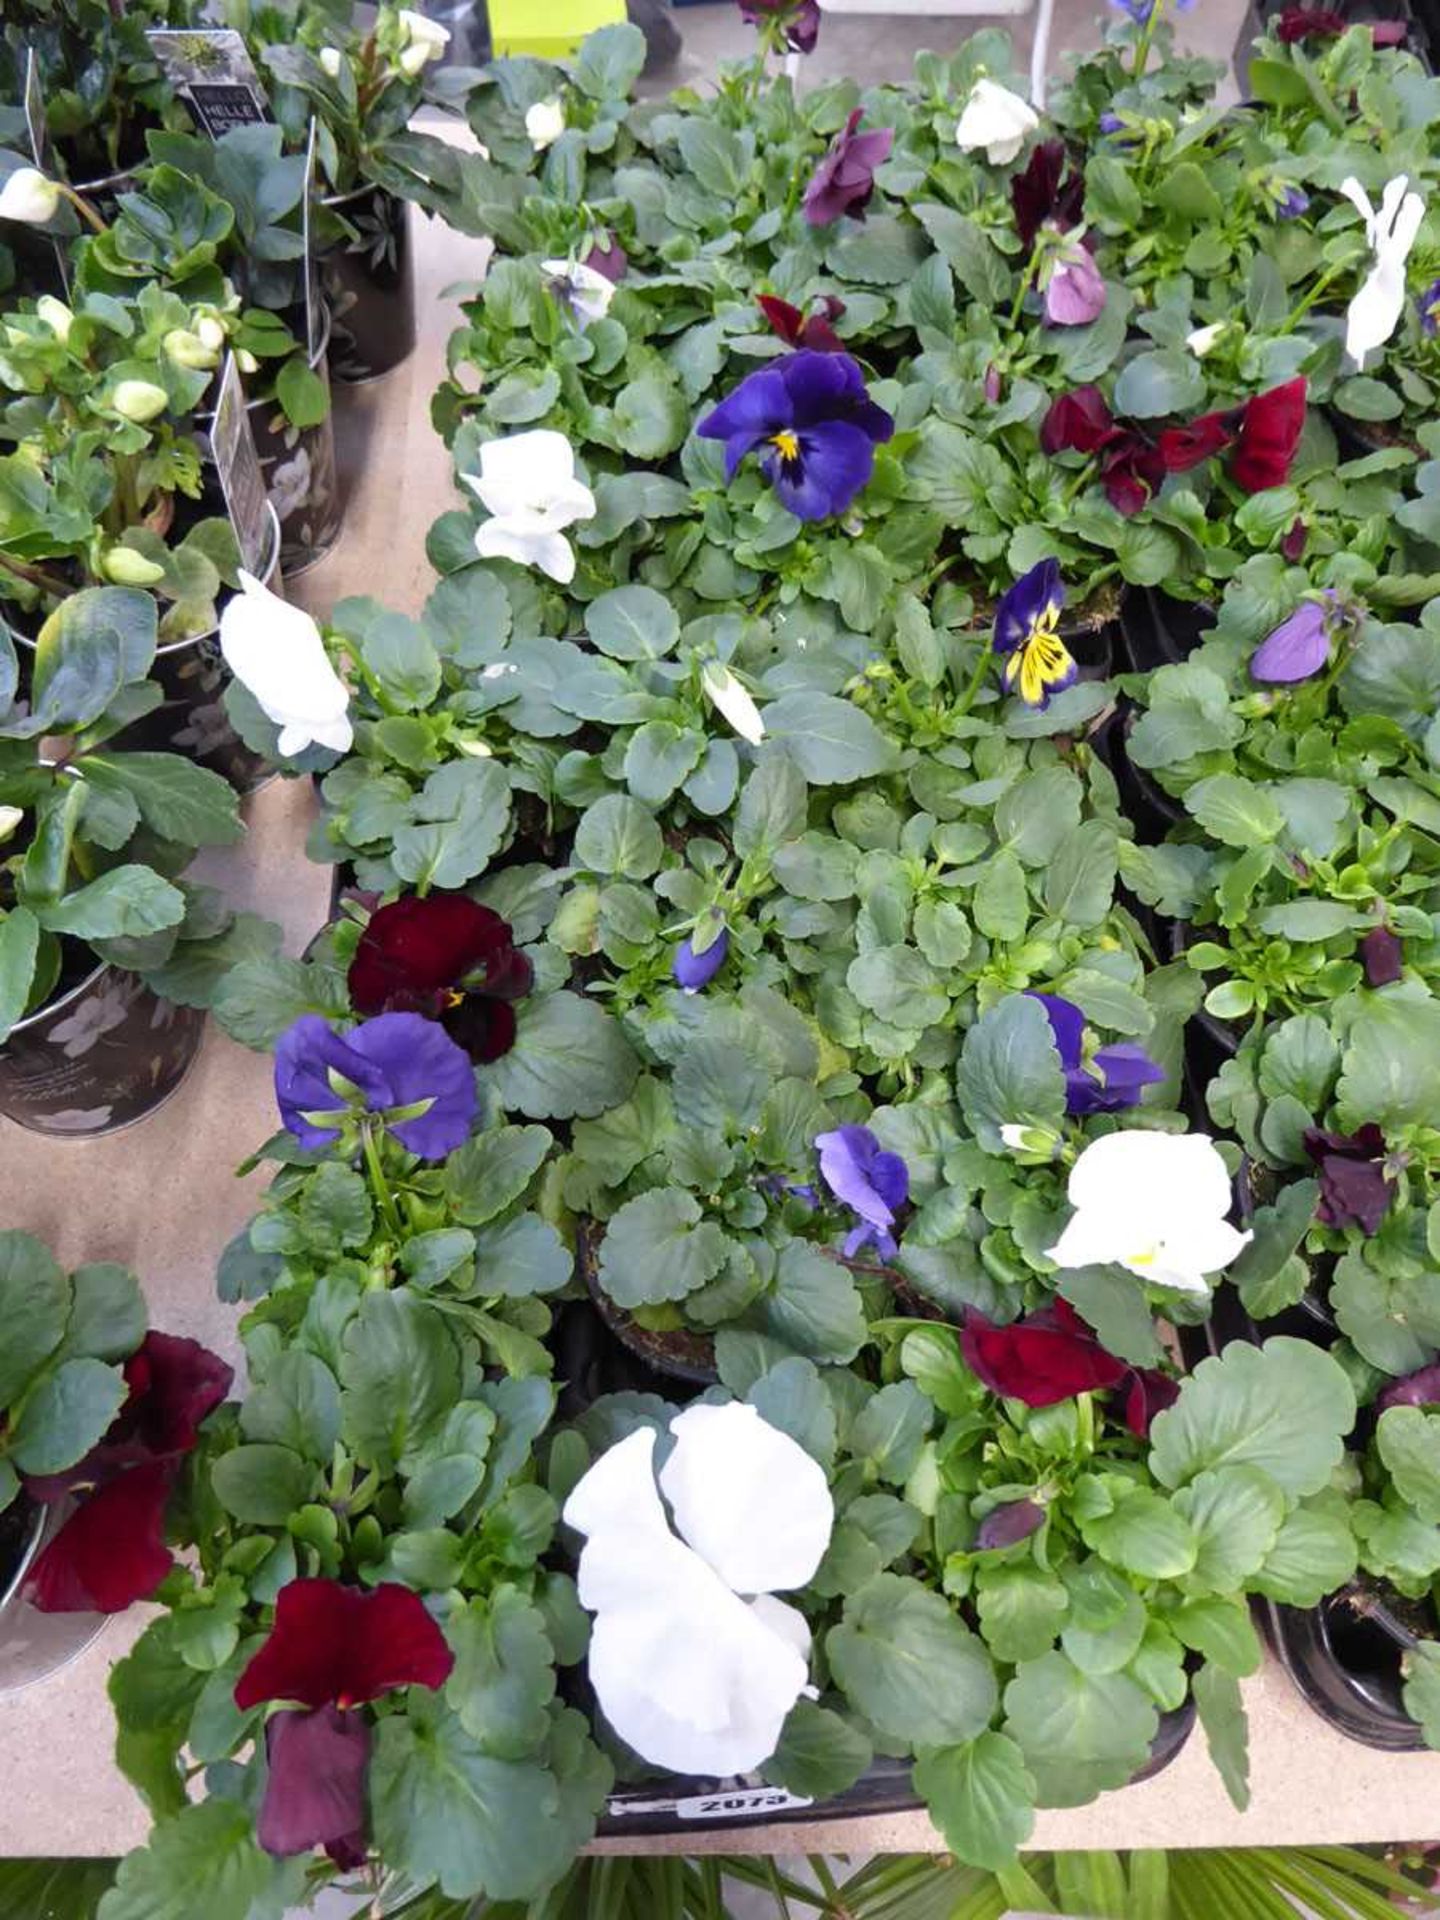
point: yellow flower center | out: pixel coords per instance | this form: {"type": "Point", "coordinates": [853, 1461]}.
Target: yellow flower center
{"type": "Point", "coordinates": [786, 444]}
{"type": "Point", "coordinates": [1042, 659]}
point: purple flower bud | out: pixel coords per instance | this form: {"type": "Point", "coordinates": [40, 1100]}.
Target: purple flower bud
{"type": "Point", "coordinates": [1294, 543]}
{"type": "Point", "coordinates": [1292, 203]}
{"type": "Point", "coordinates": [1075, 291]}
{"type": "Point", "coordinates": [693, 970]}
{"type": "Point", "coordinates": [1382, 957]}
{"type": "Point", "coordinates": [1430, 310]}
{"type": "Point", "coordinates": [994, 384]}
{"type": "Point", "coordinates": [1420, 1389]}
{"type": "Point", "coordinates": [1006, 1526]}
{"type": "Point", "coordinates": [1110, 123]}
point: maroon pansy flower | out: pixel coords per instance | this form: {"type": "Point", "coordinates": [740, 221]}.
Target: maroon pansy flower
{"type": "Point", "coordinates": [111, 1552]}
{"type": "Point", "coordinates": [1199, 440]}
{"type": "Point", "coordinates": [800, 19]}
{"type": "Point", "coordinates": [1007, 1526]}
{"type": "Point", "coordinates": [1053, 1355]}
{"type": "Point", "coordinates": [446, 957]}
{"type": "Point", "coordinates": [332, 1648]}
{"type": "Point", "coordinates": [1295, 541]}
{"type": "Point", "coordinates": [845, 179]}
{"type": "Point", "coordinates": [1131, 466]}
{"type": "Point", "coordinates": [1043, 190]}
{"type": "Point", "coordinates": [1382, 957]}
{"type": "Point", "coordinates": [1326, 23]}
{"type": "Point", "coordinates": [1354, 1191]}
{"type": "Point", "coordinates": [607, 256]}
{"type": "Point", "coordinates": [799, 329]}
{"type": "Point", "coordinates": [1150, 1392]}
{"type": "Point", "coordinates": [1418, 1389]}
{"type": "Point", "coordinates": [1262, 436]}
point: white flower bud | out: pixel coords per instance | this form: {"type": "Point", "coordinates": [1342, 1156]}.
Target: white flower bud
{"type": "Point", "coordinates": [211, 332]}
{"type": "Point", "coordinates": [246, 360]}
{"type": "Point", "coordinates": [544, 123]}
{"type": "Point", "coordinates": [188, 349]}
{"type": "Point", "coordinates": [127, 568]}
{"type": "Point", "coordinates": [10, 818]}
{"type": "Point", "coordinates": [139, 400]}
{"type": "Point", "coordinates": [29, 197]}
{"type": "Point", "coordinates": [56, 315]}
{"type": "Point", "coordinates": [330, 59]}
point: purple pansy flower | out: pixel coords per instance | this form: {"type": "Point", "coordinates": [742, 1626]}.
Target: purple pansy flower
{"type": "Point", "coordinates": [1008, 1525]}
{"type": "Point", "coordinates": [871, 1182]}
{"type": "Point", "coordinates": [1292, 203]}
{"type": "Point", "coordinates": [1027, 635]}
{"type": "Point", "coordinates": [1126, 1067]}
{"type": "Point", "coordinates": [815, 425]}
{"type": "Point", "coordinates": [395, 1060]}
{"type": "Point", "coordinates": [1300, 645]}
{"type": "Point", "coordinates": [801, 20]}
{"type": "Point", "coordinates": [1418, 1389]}
{"type": "Point", "coordinates": [1430, 310]}
{"type": "Point", "coordinates": [1110, 122]}
{"type": "Point", "coordinates": [693, 970]}
{"type": "Point", "coordinates": [1382, 957]}
{"type": "Point", "coordinates": [845, 179]}
{"type": "Point", "coordinates": [607, 256]}
{"type": "Point", "coordinates": [1074, 286]}
{"type": "Point", "coordinates": [1353, 1189]}
{"type": "Point", "coordinates": [316, 1763]}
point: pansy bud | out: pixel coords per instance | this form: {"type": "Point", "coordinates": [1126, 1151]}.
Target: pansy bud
{"type": "Point", "coordinates": [1382, 957]}
{"type": "Point", "coordinates": [994, 384]}
{"type": "Point", "coordinates": [1032, 1144]}
{"type": "Point", "coordinates": [10, 818]}
{"type": "Point", "coordinates": [330, 60]}
{"type": "Point", "coordinates": [1008, 1525]}
{"type": "Point", "coordinates": [187, 349]}
{"type": "Point", "coordinates": [544, 123]}
{"type": "Point", "coordinates": [731, 699]}
{"type": "Point", "coordinates": [1203, 338]}
{"type": "Point", "coordinates": [139, 400]}
{"type": "Point", "coordinates": [694, 970]}
{"type": "Point", "coordinates": [29, 197]}
{"type": "Point", "coordinates": [127, 568]}
{"type": "Point", "coordinates": [56, 315]}
{"type": "Point", "coordinates": [246, 360]}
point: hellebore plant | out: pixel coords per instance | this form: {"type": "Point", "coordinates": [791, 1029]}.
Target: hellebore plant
{"type": "Point", "coordinates": [695, 1663]}
{"type": "Point", "coordinates": [814, 424]}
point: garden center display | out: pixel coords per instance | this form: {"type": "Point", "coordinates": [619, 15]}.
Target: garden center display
{"type": "Point", "coordinates": [852, 1215]}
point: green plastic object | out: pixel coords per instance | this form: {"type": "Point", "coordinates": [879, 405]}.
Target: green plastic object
{"type": "Point", "coordinates": [550, 28]}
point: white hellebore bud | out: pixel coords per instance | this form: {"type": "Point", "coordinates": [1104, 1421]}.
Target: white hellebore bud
{"type": "Point", "coordinates": [210, 331]}
{"type": "Point", "coordinates": [997, 120]}
{"type": "Point", "coordinates": [330, 60]}
{"type": "Point", "coordinates": [28, 196]}
{"type": "Point", "coordinates": [56, 315]}
{"type": "Point", "coordinates": [139, 400]}
{"type": "Point", "coordinates": [10, 818]}
{"type": "Point", "coordinates": [276, 651]}
{"type": "Point", "coordinates": [729, 698]}
{"type": "Point", "coordinates": [127, 568]}
{"type": "Point", "coordinates": [187, 349]}
{"type": "Point", "coordinates": [425, 40]}
{"type": "Point", "coordinates": [527, 483]}
{"type": "Point", "coordinates": [544, 122]}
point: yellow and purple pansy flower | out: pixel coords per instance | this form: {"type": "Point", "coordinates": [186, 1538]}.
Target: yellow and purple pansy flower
{"type": "Point", "coordinates": [1027, 636]}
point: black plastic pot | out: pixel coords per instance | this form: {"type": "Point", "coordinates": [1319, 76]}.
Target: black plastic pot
{"type": "Point", "coordinates": [97, 1057]}
{"type": "Point", "coordinates": [300, 474]}
{"type": "Point", "coordinates": [1150, 810]}
{"type": "Point", "coordinates": [369, 280]}
{"type": "Point", "coordinates": [1209, 1041]}
{"type": "Point", "coordinates": [672, 1804]}
{"type": "Point", "coordinates": [675, 1355]}
{"type": "Point", "coordinates": [1157, 630]}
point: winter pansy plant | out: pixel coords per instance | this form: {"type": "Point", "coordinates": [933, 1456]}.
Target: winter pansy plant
{"type": "Point", "coordinates": [527, 485]}
{"type": "Point", "coordinates": [695, 1664]}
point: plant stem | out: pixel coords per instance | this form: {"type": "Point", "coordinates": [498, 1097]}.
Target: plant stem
{"type": "Point", "coordinates": [967, 699]}
{"type": "Point", "coordinates": [1322, 285]}
{"type": "Point", "coordinates": [34, 576]}
{"type": "Point", "coordinates": [1147, 34]}
{"type": "Point", "coordinates": [379, 1185]}
{"type": "Point", "coordinates": [83, 208]}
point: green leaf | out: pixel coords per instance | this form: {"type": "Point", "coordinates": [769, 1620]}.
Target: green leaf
{"type": "Point", "coordinates": [819, 1755]}
{"type": "Point", "coordinates": [519, 1257]}
{"type": "Point", "coordinates": [1111, 1303]}
{"type": "Point", "coordinates": [1079, 1733]}
{"type": "Point", "coordinates": [660, 758]}
{"type": "Point", "coordinates": [1222, 1715]}
{"type": "Point", "coordinates": [1021, 1608]}
{"type": "Point", "coordinates": [900, 985]}
{"type": "Point", "coordinates": [1010, 1073]}
{"type": "Point", "coordinates": [1391, 1071]}
{"type": "Point", "coordinates": [1035, 815]}
{"type": "Point", "coordinates": [1408, 1441]}
{"type": "Point", "coordinates": [814, 1305]}
{"type": "Point", "coordinates": [889, 1431]}
{"type": "Point", "coordinates": [882, 251]}
{"type": "Point", "coordinates": [19, 944]}
{"type": "Point", "coordinates": [1394, 1324]}
{"type": "Point", "coordinates": [124, 904]}
{"type": "Point", "coordinates": [296, 1405]}
{"type": "Point", "coordinates": [978, 264]}
{"type": "Point", "coordinates": [772, 805]}
{"type": "Point", "coordinates": [400, 1376]}
{"type": "Point", "coordinates": [651, 417]}
{"type": "Point", "coordinates": [1221, 1630]}
{"type": "Point", "coordinates": [34, 1306]}
{"type": "Point", "coordinates": [1260, 1273]}
{"type": "Point", "coordinates": [609, 61]}
{"type": "Point", "coordinates": [262, 1484]}
{"type": "Point", "coordinates": [504, 1675]}
{"type": "Point", "coordinates": [457, 822]}
{"type": "Point", "coordinates": [910, 1665]}
{"type": "Point", "coordinates": [633, 623]}
{"type": "Point", "coordinates": [570, 1058]}
{"type": "Point", "coordinates": [1001, 904]}
{"type": "Point", "coordinates": [981, 1795]}
{"type": "Point", "coordinates": [789, 1396]}
{"type": "Point", "coordinates": [1285, 1408]}
{"type": "Point", "coordinates": [204, 1860]}
{"type": "Point", "coordinates": [1234, 1514]}
{"type": "Point", "coordinates": [65, 1414]}
{"type": "Point", "coordinates": [659, 1247]}
{"type": "Point", "coordinates": [832, 742]}
{"type": "Point", "coordinates": [1235, 811]}
{"type": "Point", "coordinates": [1314, 1554]}
{"type": "Point", "coordinates": [1171, 381]}
{"type": "Point", "coordinates": [1145, 1535]}
{"type": "Point", "coordinates": [175, 798]}
{"type": "Point", "coordinates": [107, 1314]}
{"type": "Point", "coordinates": [335, 1210]}
{"type": "Point", "coordinates": [490, 1172]}
{"type": "Point", "coordinates": [618, 836]}
{"type": "Point", "coordinates": [1080, 879]}
{"type": "Point", "coordinates": [1421, 1667]}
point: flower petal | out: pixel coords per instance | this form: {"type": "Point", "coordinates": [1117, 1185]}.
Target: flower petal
{"type": "Point", "coordinates": [315, 1781]}
{"type": "Point", "coordinates": [333, 1645]}
{"type": "Point", "coordinates": [420, 1061]}
{"type": "Point", "coordinates": [747, 1498]}
{"type": "Point", "coordinates": [111, 1552]}
{"type": "Point", "coordinates": [276, 651]}
{"type": "Point", "coordinates": [413, 949]}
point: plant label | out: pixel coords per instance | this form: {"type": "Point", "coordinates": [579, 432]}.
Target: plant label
{"type": "Point", "coordinates": [735, 1804]}
{"type": "Point", "coordinates": [211, 68]}
{"type": "Point", "coordinates": [232, 446]}
{"type": "Point", "coordinates": [37, 127]}
{"type": "Point", "coordinates": [314, 303]}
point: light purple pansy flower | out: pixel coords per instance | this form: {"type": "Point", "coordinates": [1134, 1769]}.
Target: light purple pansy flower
{"type": "Point", "coordinates": [845, 179]}
{"type": "Point", "coordinates": [1074, 287]}
{"type": "Point", "coordinates": [1292, 203]}
{"type": "Point", "coordinates": [394, 1060]}
{"type": "Point", "coordinates": [873, 1183]}
{"type": "Point", "coordinates": [1300, 645]}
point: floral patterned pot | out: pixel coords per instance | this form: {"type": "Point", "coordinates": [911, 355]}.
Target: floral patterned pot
{"type": "Point", "coordinates": [35, 1645]}
{"type": "Point", "coordinates": [97, 1057]}
{"type": "Point", "coordinates": [300, 477]}
{"type": "Point", "coordinates": [369, 280]}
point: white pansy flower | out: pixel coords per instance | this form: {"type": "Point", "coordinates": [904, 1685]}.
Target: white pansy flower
{"type": "Point", "coordinates": [425, 40]}
{"type": "Point", "coordinates": [330, 59]}
{"type": "Point", "coordinates": [1203, 338]}
{"type": "Point", "coordinates": [527, 484]}
{"type": "Point", "coordinates": [691, 1675]}
{"type": "Point", "coordinates": [1153, 1203]}
{"type": "Point", "coordinates": [1374, 313]}
{"type": "Point", "coordinates": [587, 293]}
{"type": "Point", "coordinates": [730, 698]}
{"type": "Point", "coordinates": [56, 315]}
{"type": "Point", "coordinates": [28, 196]}
{"type": "Point", "coordinates": [997, 120]}
{"type": "Point", "coordinates": [544, 123]}
{"type": "Point", "coordinates": [275, 650]}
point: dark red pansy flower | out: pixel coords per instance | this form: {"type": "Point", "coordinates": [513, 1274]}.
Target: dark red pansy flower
{"type": "Point", "coordinates": [1131, 467]}
{"type": "Point", "coordinates": [1043, 191]}
{"type": "Point", "coordinates": [1353, 1189]}
{"type": "Point", "coordinates": [799, 329]}
{"type": "Point", "coordinates": [1150, 1392]}
{"type": "Point", "coordinates": [1269, 433]}
{"type": "Point", "coordinates": [1008, 1525]}
{"type": "Point", "coordinates": [1382, 957]}
{"type": "Point", "coordinates": [1418, 1389]}
{"type": "Point", "coordinates": [1185, 447]}
{"type": "Point", "coordinates": [111, 1552]}
{"type": "Point", "coordinates": [1078, 422]}
{"type": "Point", "coordinates": [1047, 1357]}
{"type": "Point", "coordinates": [1131, 472]}
{"type": "Point", "coordinates": [446, 957]}
{"type": "Point", "coordinates": [1295, 541]}
{"type": "Point", "coordinates": [315, 1784]}
{"type": "Point", "coordinates": [1326, 23]}
{"type": "Point", "coordinates": [337, 1646]}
